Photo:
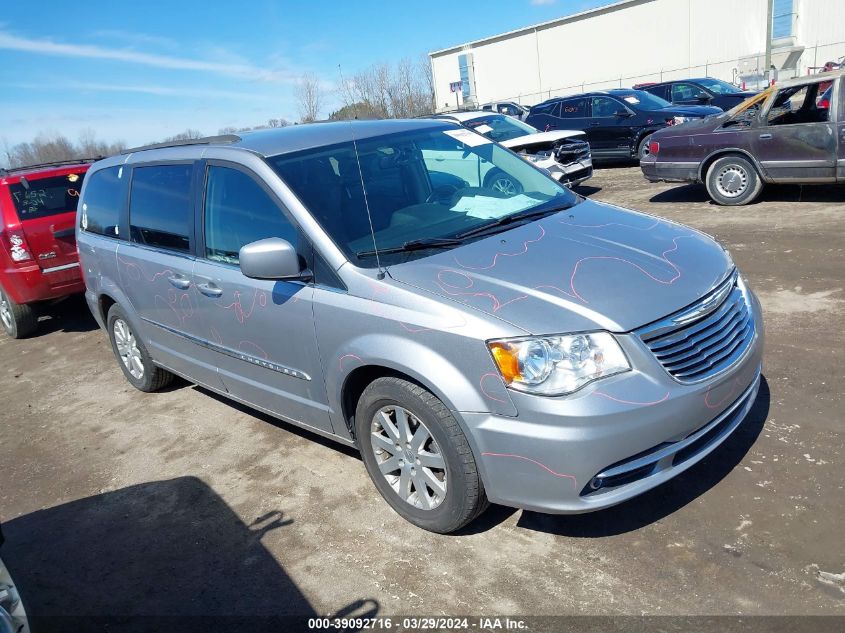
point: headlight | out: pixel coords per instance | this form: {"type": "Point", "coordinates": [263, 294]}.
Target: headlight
{"type": "Point", "coordinates": [537, 158]}
{"type": "Point", "coordinates": [557, 365]}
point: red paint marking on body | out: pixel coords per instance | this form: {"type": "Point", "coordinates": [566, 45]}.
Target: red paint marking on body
{"type": "Point", "coordinates": [635, 402]}
{"type": "Point", "coordinates": [487, 393]}
{"type": "Point", "coordinates": [540, 464]}
{"type": "Point", "coordinates": [501, 254]}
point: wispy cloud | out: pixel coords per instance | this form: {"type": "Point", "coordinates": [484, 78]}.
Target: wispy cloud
{"type": "Point", "coordinates": [540, 3]}
{"type": "Point", "coordinates": [149, 89]}
{"type": "Point", "coordinates": [9, 41]}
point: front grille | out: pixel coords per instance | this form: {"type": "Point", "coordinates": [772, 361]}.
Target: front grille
{"type": "Point", "coordinates": [706, 338]}
{"type": "Point", "coordinates": [571, 150]}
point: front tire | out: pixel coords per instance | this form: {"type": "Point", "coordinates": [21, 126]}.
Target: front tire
{"type": "Point", "coordinates": [132, 356]}
{"type": "Point", "coordinates": [19, 320]}
{"type": "Point", "coordinates": [417, 456]}
{"type": "Point", "coordinates": [733, 181]}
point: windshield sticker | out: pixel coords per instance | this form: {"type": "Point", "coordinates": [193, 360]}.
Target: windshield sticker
{"type": "Point", "coordinates": [632, 100]}
{"type": "Point", "coordinates": [483, 128]}
{"type": "Point", "coordinates": [468, 138]}
{"type": "Point", "coordinates": [488, 207]}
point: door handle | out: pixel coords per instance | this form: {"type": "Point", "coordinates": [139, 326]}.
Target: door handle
{"type": "Point", "coordinates": [179, 282]}
{"type": "Point", "coordinates": [210, 290]}
{"type": "Point", "coordinates": [765, 137]}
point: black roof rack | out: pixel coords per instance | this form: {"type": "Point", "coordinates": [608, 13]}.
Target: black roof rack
{"type": "Point", "coordinates": [221, 139]}
{"type": "Point", "coordinates": [5, 171]}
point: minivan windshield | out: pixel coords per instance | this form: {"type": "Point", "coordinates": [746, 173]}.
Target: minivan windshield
{"type": "Point", "coordinates": [422, 190]}
{"type": "Point", "coordinates": [499, 127]}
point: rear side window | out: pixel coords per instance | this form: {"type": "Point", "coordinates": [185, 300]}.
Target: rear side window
{"type": "Point", "coordinates": [160, 210]}
{"type": "Point", "coordinates": [552, 109]}
{"type": "Point", "coordinates": [104, 197]}
{"type": "Point", "coordinates": [42, 197]}
{"type": "Point", "coordinates": [238, 211]}
{"type": "Point", "coordinates": [573, 108]}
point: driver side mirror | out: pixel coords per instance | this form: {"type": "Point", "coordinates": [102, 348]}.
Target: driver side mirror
{"type": "Point", "coordinates": [272, 258]}
{"type": "Point", "coordinates": [703, 97]}
{"type": "Point", "coordinates": [624, 114]}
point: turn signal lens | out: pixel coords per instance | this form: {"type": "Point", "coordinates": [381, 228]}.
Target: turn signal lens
{"type": "Point", "coordinates": [507, 359]}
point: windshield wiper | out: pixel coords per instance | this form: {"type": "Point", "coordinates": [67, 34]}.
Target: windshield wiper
{"type": "Point", "coordinates": [414, 245]}
{"type": "Point", "coordinates": [511, 219]}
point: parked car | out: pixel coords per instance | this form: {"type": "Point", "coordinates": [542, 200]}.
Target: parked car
{"type": "Point", "coordinates": [537, 350]}
{"type": "Point", "coordinates": [12, 612]}
{"type": "Point", "coordinates": [510, 108]}
{"type": "Point", "coordinates": [784, 135]}
{"type": "Point", "coordinates": [618, 123]}
{"type": "Point", "coordinates": [38, 260]}
{"type": "Point", "coordinates": [565, 154]}
{"type": "Point", "coordinates": [701, 91]}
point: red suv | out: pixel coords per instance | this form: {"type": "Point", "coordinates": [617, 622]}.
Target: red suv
{"type": "Point", "coordinates": [38, 259]}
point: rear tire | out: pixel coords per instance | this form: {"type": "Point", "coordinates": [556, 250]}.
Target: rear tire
{"type": "Point", "coordinates": [410, 441]}
{"type": "Point", "coordinates": [499, 181]}
{"type": "Point", "coordinates": [732, 181]}
{"type": "Point", "coordinates": [132, 356]}
{"type": "Point", "coordinates": [19, 320]}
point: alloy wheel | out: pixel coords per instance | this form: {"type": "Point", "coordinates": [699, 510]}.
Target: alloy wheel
{"type": "Point", "coordinates": [5, 312]}
{"type": "Point", "coordinates": [127, 349]}
{"type": "Point", "coordinates": [505, 186]}
{"type": "Point", "coordinates": [409, 457]}
{"type": "Point", "coordinates": [732, 181]}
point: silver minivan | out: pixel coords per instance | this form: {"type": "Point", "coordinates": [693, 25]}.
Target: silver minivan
{"type": "Point", "coordinates": [529, 348]}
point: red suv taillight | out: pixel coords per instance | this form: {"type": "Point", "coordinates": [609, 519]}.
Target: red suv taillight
{"type": "Point", "coordinates": [653, 147]}
{"type": "Point", "coordinates": [15, 243]}
{"type": "Point", "coordinates": [824, 104]}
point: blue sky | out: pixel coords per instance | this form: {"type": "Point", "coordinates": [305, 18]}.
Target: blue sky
{"type": "Point", "coordinates": [141, 71]}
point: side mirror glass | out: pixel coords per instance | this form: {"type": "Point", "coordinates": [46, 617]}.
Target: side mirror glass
{"type": "Point", "coordinates": [271, 258]}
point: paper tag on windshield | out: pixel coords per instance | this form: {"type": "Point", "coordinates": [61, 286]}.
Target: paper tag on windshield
{"type": "Point", "coordinates": [470, 139]}
{"type": "Point", "coordinates": [483, 129]}
{"type": "Point", "coordinates": [631, 100]}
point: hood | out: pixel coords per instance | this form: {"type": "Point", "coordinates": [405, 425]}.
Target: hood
{"type": "Point", "coordinates": [593, 266]}
{"type": "Point", "coordinates": [541, 137]}
{"type": "Point", "coordinates": [698, 111]}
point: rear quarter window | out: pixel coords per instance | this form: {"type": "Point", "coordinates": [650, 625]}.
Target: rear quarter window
{"type": "Point", "coordinates": [160, 208]}
{"type": "Point", "coordinates": [105, 194]}
{"type": "Point", "coordinates": [42, 197]}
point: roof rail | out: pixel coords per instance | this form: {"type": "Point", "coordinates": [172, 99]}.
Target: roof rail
{"type": "Point", "coordinates": [5, 171]}
{"type": "Point", "coordinates": [222, 139]}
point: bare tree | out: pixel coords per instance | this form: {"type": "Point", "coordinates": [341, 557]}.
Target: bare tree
{"type": "Point", "coordinates": [188, 135]}
{"type": "Point", "coordinates": [309, 95]}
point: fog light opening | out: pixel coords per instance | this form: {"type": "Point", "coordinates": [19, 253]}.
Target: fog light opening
{"type": "Point", "coordinates": [596, 483]}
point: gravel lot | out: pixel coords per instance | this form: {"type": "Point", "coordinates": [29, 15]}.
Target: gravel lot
{"type": "Point", "coordinates": [119, 502]}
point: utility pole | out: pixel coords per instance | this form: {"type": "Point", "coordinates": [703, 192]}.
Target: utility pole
{"type": "Point", "coordinates": [769, 18]}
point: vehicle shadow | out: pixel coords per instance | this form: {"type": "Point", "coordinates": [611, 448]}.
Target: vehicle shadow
{"type": "Point", "coordinates": [68, 315]}
{"type": "Point", "coordinates": [696, 192]}
{"type": "Point", "coordinates": [165, 555]}
{"type": "Point", "coordinates": [289, 427]}
{"type": "Point", "coordinates": [586, 190]}
{"type": "Point", "coordinates": [667, 498]}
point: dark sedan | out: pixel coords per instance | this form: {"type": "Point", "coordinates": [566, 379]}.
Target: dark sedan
{"type": "Point", "coordinates": [618, 123]}
{"type": "Point", "coordinates": [702, 91]}
{"type": "Point", "coordinates": [790, 133]}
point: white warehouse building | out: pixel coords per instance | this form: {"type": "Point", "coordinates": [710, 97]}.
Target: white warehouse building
{"type": "Point", "coordinates": [638, 41]}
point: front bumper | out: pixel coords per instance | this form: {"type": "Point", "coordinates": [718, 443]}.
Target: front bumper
{"type": "Point", "coordinates": [632, 432]}
{"type": "Point", "coordinates": [571, 174]}
{"type": "Point", "coordinates": [30, 284]}
{"type": "Point", "coordinates": [655, 170]}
